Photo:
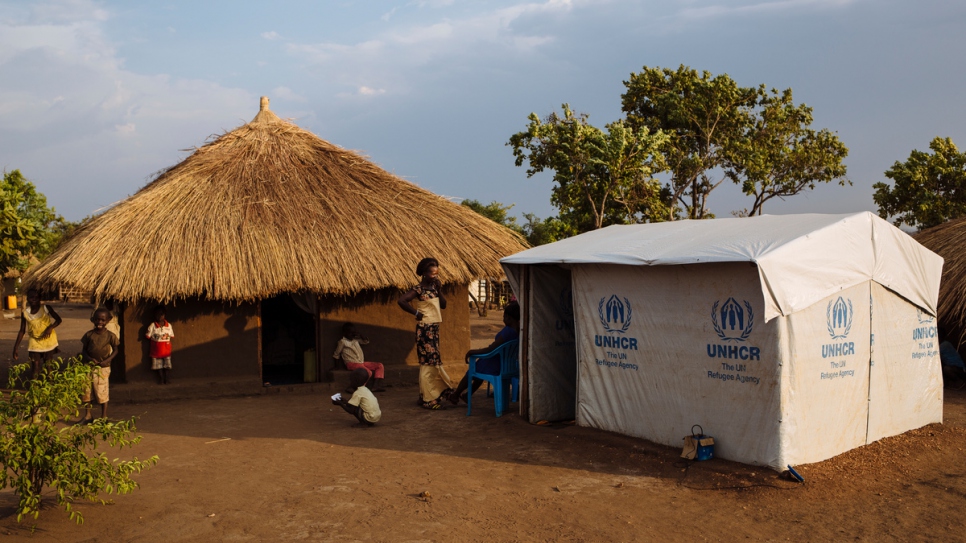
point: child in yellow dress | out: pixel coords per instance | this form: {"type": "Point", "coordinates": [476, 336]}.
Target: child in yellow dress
{"type": "Point", "coordinates": [38, 321]}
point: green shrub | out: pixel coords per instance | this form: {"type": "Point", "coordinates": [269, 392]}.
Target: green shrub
{"type": "Point", "coordinates": [40, 447]}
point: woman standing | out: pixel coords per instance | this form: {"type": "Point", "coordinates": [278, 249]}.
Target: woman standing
{"type": "Point", "coordinates": [427, 297]}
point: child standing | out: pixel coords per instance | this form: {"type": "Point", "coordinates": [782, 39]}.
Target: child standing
{"type": "Point", "coordinates": [113, 325]}
{"type": "Point", "coordinates": [40, 320]}
{"type": "Point", "coordinates": [160, 334]}
{"type": "Point", "coordinates": [363, 404]}
{"type": "Point", "coordinates": [351, 353]}
{"type": "Point", "coordinates": [100, 347]}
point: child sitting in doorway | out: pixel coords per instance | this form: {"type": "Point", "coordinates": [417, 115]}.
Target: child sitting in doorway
{"type": "Point", "coordinates": [363, 405]}
{"type": "Point", "coordinates": [351, 353]}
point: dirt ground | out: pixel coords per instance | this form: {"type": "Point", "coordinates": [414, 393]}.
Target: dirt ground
{"type": "Point", "coordinates": [290, 467]}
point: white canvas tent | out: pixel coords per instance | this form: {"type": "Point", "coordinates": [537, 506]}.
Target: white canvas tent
{"type": "Point", "coordinates": [790, 339]}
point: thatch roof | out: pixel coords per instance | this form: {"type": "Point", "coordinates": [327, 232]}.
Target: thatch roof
{"type": "Point", "coordinates": [948, 240]}
{"type": "Point", "coordinates": [270, 208]}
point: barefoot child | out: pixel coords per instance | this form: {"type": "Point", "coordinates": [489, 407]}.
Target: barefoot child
{"type": "Point", "coordinates": [160, 334]}
{"type": "Point", "coordinates": [40, 320]}
{"type": "Point", "coordinates": [351, 353]}
{"type": "Point", "coordinates": [100, 347]}
{"type": "Point", "coordinates": [363, 405]}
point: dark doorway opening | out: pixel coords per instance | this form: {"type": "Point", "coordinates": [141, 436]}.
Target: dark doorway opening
{"type": "Point", "coordinates": [288, 334]}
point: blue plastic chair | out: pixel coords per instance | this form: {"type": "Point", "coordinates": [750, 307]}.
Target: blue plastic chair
{"type": "Point", "coordinates": [509, 369]}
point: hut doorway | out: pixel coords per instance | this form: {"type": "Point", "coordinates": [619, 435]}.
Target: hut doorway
{"type": "Point", "coordinates": [288, 339]}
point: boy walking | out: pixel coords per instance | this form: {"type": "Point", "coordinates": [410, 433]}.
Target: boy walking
{"type": "Point", "coordinates": [100, 347]}
{"type": "Point", "coordinates": [160, 334]}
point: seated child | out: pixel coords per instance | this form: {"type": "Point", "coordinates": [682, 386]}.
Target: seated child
{"type": "Point", "coordinates": [490, 366]}
{"type": "Point", "coordinates": [351, 353]}
{"type": "Point", "coordinates": [100, 347]}
{"type": "Point", "coordinates": [363, 405]}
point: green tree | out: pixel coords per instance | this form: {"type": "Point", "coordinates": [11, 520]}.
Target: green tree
{"type": "Point", "coordinates": [928, 189]}
{"type": "Point", "coordinates": [38, 450]}
{"type": "Point", "coordinates": [496, 212]}
{"type": "Point", "coordinates": [702, 115]}
{"type": "Point", "coordinates": [780, 155]}
{"type": "Point", "coordinates": [535, 230]}
{"type": "Point", "coordinates": [61, 230]}
{"type": "Point", "coordinates": [541, 232]}
{"type": "Point", "coordinates": [601, 177]}
{"type": "Point", "coordinates": [25, 220]}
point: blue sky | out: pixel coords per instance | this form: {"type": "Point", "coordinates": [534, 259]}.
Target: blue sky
{"type": "Point", "coordinates": [97, 96]}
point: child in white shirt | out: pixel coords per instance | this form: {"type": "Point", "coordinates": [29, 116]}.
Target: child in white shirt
{"type": "Point", "coordinates": [350, 352]}
{"type": "Point", "coordinates": [363, 405]}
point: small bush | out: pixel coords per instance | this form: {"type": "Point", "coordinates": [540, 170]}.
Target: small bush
{"type": "Point", "coordinates": [40, 447]}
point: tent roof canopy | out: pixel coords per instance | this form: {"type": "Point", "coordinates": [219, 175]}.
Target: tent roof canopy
{"type": "Point", "coordinates": [801, 259]}
{"type": "Point", "coordinates": [270, 208]}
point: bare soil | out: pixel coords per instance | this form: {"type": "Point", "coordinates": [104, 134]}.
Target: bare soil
{"type": "Point", "coordinates": [287, 467]}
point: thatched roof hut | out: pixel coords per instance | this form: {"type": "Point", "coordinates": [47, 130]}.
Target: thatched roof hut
{"type": "Point", "coordinates": [270, 208]}
{"type": "Point", "coordinates": [948, 240]}
{"type": "Point", "coordinates": [266, 240]}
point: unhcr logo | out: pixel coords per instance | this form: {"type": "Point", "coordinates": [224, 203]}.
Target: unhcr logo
{"type": "Point", "coordinates": [615, 314]}
{"type": "Point", "coordinates": [732, 322]}
{"type": "Point", "coordinates": [925, 332]}
{"type": "Point", "coordinates": [839, 318]}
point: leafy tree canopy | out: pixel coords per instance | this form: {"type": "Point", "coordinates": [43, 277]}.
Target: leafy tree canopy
{"type": "Point", "coordinates": [780, 156]}
{"type": "Point", "coordinates": [496, 212]}
{"type": "Point", "coordinates": [25, 223]}
{"type": "Point", "coordinates": [541, 232]}
{"type": "Point", "coordinates": [702, 114]}
{"type": "Point", "coordinates": [719, 130]}
{"type": "Point", "coordinates": [601, 177]}
{"type": "Point", "coordinates": [536, 231]}
{"type": "Point", "coordinates": [927, 189]}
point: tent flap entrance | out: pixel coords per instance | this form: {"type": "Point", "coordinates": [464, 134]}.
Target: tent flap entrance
{"type": "Point", "coordinates": [552, 357]}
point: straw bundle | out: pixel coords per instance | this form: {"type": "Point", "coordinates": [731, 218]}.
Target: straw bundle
{"type": "Point", "coordinates": [270, 208]}
{"type": "Point", "coordinates": [948, 240]}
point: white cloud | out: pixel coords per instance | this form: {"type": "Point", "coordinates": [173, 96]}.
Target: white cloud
{"type": "Point", "coordinates": [368, 91]}
{"type": "Point", "coordinates": [391, 57]}
{"type": "Point", "coordinates": [126, 129]}
{"type": "Point", "coordinates": [270, 35]}
{"type": "Point", "coordinates": [739, 8]}
{"type": "Point", "coordinates": [73, 115]}
{"type": "Point", "coordinates": [433, 3]}
{"type": "Point", "coordinates": [285, 93]}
